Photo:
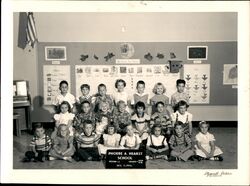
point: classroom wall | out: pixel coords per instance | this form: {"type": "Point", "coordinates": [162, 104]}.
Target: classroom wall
{"type": "Point", "coordinates": [94, 27]}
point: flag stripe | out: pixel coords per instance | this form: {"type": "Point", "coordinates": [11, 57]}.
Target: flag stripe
{"type": "Point", "coordinates": [31, 30]}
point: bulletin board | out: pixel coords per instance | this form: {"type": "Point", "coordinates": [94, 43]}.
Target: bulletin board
{"type": "Point", "coordinates": [107, 55]}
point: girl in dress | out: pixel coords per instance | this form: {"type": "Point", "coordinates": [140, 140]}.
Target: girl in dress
{"type": "Point", "coordinates": [65, 117]}
{"type": "Point", "coordinates": [63, 147]}
{"type": "Point", "coordinates": [205, 148]}
{"type": "Point", "coordinates": [110, 140]}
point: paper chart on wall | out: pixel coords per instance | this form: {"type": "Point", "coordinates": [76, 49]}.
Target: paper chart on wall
{"type": "Point", "coordinates": [230, 75]}
{"type": "Point", "coordinates": [150, 74]}
{"type": "Point", "coordinates": [197, 77]}
{"type": "Point", "coordinates": [52, 76]}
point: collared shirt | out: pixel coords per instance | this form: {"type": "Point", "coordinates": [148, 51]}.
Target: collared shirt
{"type": "Point", "coordinates": [141, 123]}
{"type": "Point", "coordinates": [68, 97]}
{"type": "Point", "coordinates": [160, 118]}
{"type": "Point", "coordinates": [88, 98]}
{"type": "Point", "coordinates": [81, 117]}
{"type": "Point", "coordinates": [111, 140]}
{"type": "Point", "coordinates": [140, 97]}
{"type": "Point", "coordinates": [122, 119]}
{"type": "Point", "coordinates": [43, 143]}
{"type": "Point", "coordinates": [177, 96]}
{"type": "Point", "coordinates": [184, 118]}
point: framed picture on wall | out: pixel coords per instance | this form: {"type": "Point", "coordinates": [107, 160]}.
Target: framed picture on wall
{"type": "Point", "coordinates": [197, 52]}
{"type": "Point", "coordinates": [55, 53]}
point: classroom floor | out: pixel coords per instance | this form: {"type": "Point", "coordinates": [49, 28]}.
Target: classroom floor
{"type": "Point", "coordinates": [226, 139]}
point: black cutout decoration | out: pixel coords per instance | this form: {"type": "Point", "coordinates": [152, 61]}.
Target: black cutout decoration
{"type": "Point", "coordinates": [160, 56]}
{"type": "Point", "coordinates": [172, 55]}
{"type": "Point", "coordinates": [109, 56]}
{"type": "Point", "coordinates": [96, 57]}
{"type": "Point", "coordinates": [84, 57]}
{"type": "Point", "coordinates": [148, 56]}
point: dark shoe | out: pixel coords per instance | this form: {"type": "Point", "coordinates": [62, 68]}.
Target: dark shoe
{"type": "Point", "coordinates": [26, 160]}
{"type": "Point", "coordinates": [172, 158]}
{"type": "Point", "coordinates": [220, 158]}
{"type": "Point", "coordinates": [200, 158]}
{"type": "Point", "coordinates": [191, 158]}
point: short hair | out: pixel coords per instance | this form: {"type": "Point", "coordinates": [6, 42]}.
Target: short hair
{"type": "Point", "coordinates": [180, 81]}
{"type": "Point", "coordinates": [63, 82]}
{"type": "Point", "coordinates": [129, 126]}
{"type": "Point", "coordinates": [140, 104]}
{"type": "Point", "coordinates": [65, 103]}
{"type": "Point", "coordinates": [178, 123]}
{"type": "Point", "coordinates": [159, 102]}
{"type": "Point", "coordinates": [87, 122]}
{"type": "Point", "coordinates": [159, 84]}
{"type": "Point", "coordinates": [204, 123]}
{"type": "Point", "coordinates": [181, 103]}
{"type": "Point", "coordinates": [103, 102]}
{"type": "Point", "coordinates": [140, 82]}
{"type": "Point", "coordinates": [85, 101]}
{"type": "Point", "coordinates": [120, 102]}
{"type": "Point", "coordinates": [118, 81]}
{"type": "Point", "coordinates": [38, 126]}
{"type": "Point", "coordinates": [156, 126]}
{"type": "Point", "coordinates": [111, 124]}
{"type": "Point", "coordinates": [60, 128]}
{"type": "Point", "coordinates": [85, 86]}
{"type": "Point", "coordinates": [101, 85]}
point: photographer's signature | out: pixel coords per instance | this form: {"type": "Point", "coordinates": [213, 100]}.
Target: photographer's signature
{"type": "Point", "coordinates": [217, 174]}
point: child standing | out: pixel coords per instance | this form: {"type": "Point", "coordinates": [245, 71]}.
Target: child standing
{"type": "Point", "coordinates": [140, 95]}
{"type": "Point", "coordinates": [120, 84]}
{"type": "Point", "coordinates": [180, 95]}
{"type": "Point", "coordinates": [64, 96]}
{"type": "Point", "coordinates": [185, 117]}
{"type": "Point", "coordinates": [87, 144]}
{"type": "Point", "coordinates": [85, 114]}
{"type": "Point", "coordinates": [157, 146]}
{"type": "Point", "coordinates": [205, 148]}
{"type": "Point", "coordinates": [130, 140]}
{"type": "Point", "coordinates": [141, 121]}
{"type": "Point", "coordinates": [110, 140]}
{"type": "Point", "coordinates": [121, 118]}
{"type": "Point", "coordinates": [63, 145]}
{"type": "Point", "coordinates": [40, 145]}
{"type": "Point", "coordinates": [65, 117]}
{"type": "Point", "coordinates": [162, 117]}
{"type": "Point", "coordinates": [159, 90]}
{"type": "Point", "coordinates": [85, 88]}
{"type": "Point", "coordinates": [180, 144]}
{"type": "Point", "coordinates": [101, 96]}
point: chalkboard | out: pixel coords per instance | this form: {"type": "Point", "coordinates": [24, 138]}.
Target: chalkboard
{"type": "Point", "coordinates": [149, 53]}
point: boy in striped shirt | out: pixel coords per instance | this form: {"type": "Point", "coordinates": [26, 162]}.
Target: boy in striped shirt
{"type": "Point", "coordinates": [87, 143]}
{"type": "Point", "coordinates": [40, 145]}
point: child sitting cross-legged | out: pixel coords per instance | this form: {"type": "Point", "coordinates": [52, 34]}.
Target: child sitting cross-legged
{"type": "Point", "coordinates": [87, 143]}
{"type": "Point", "coordinates": [180, 144]}
{"type": "Point", "coordinates": [63, 145]}
{"type": "Point", "coordinates": [40, 145]}
{"type": "Point", "coordinates": [110, 140]}
{"type": "Point", "coordinates": [157, 146]}
{"type": "Point", "coordinates": [130, 140]}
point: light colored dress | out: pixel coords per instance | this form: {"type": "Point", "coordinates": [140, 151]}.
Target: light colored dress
{"type": "Point", "coordinates": [204, 140]}
{"type": "Point", "coordinates": [111, 141]}
{"type": "Point", "coordinates": [130, 142]}
{"type": "Point", "coordinates": [64, 119]}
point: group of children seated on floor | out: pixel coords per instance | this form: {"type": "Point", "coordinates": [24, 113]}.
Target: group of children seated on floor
{"type": "Point", "coordinates": [101, 122]}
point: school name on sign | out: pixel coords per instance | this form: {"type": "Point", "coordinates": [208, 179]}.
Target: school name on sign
{"type": "Point", "coordinates": [130, 159]}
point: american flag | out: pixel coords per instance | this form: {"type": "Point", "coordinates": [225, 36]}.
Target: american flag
{"type": "Point", "coordinates": [27, 30]}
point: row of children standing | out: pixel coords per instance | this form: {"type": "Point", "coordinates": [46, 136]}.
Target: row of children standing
{"type": "Point", "coordinates": [105, 122]}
